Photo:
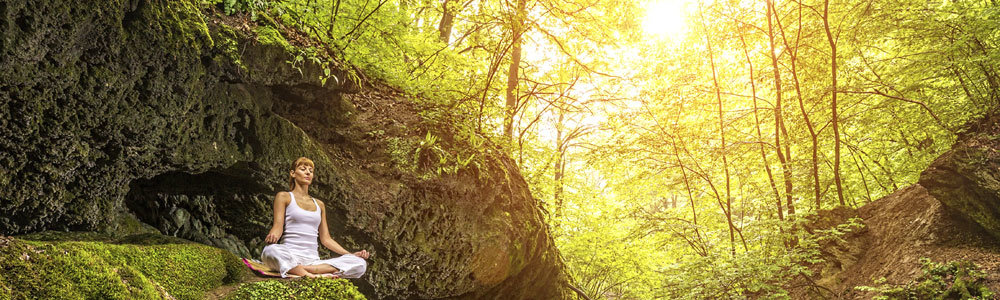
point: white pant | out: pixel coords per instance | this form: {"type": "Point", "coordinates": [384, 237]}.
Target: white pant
{"type": "Point", "coordinates": [284, 257]}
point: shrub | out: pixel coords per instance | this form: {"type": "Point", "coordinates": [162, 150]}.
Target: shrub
{"type": "Point", "coordinates": [951, 280]}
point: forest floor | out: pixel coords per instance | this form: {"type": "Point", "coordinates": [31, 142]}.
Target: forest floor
{"type": "Point", "coordinates": [222, 291]}
{"type": "Point", "coordinates": [900, 230]}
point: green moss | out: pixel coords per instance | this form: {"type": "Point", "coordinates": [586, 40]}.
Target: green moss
{"type": "Point", "coordinates": [228, 45]}
{"type": "Point", "coordinates": [187, 15]}
{"type": "Point", "coordinates": [54, 267]}
{"type": "Point", "coordinates": [268, 35]}
{"type": "Point", "coordinates": [952, 280]}
{"type": "Point", "coordinates": [4, 290]}
{"type": "Point", "coordinates": [319, 288]}
{"type": "Point", "coordinates": [61, 236]}
{"type": "Point", "coordinates": [128, 224]}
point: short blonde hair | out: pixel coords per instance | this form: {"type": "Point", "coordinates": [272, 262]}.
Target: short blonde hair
{"type": "Point", "coordinates": [295, 165]}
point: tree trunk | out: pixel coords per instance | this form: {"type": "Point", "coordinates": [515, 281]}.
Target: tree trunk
{"type": "Point", "coordinates": [722, 135]}
{"type": "Point", "coordinates": [760, 136]}
{"type": "Point", "coordinates": [512, 77]}
{"type": "Point", "coordinates": [559, 168]}
{"type": "Point", "coordinates": [687, 186]}
{"type": "Point", "coordinates": [779, 124]}
{"type": "Point", "coordinates": [449, 9]}
{"type": "Point", "coordinates": [813, 135]}
{"type": "Point", "coordinates": [833, 102]}
{"type": "Point", "coordinates": [334, 10]}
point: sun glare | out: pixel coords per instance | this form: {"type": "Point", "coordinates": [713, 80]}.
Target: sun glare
{"type": "Point", "coordinates": [665, 18]}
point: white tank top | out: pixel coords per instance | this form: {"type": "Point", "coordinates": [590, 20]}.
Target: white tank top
{"type": "Point", "coordinates": [302, 226]}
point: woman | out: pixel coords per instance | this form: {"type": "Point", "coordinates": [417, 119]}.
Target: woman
{"type": "Point", "coordinates": [302, 219]}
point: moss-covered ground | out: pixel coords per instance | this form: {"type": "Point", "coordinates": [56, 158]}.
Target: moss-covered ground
{"type": "Point", "coordinates": [306, 288]}
{"type": "Point", "coordinates": [93, 266]}
{"type": "Point", "coordinates": [88, 265]}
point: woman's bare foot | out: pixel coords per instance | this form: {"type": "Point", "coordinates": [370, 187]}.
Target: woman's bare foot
{"type": "Point", "coordinates": [323, 275]}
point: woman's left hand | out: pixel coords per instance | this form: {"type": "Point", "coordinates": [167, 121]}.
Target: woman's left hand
{"type": "Point", "coordinates": [362, 254]}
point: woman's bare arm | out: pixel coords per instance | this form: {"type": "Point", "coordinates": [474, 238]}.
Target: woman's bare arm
{"type": "Point", "coordinates": [281, 201]}
{"type": "Point", "coordinates": [328, 242]}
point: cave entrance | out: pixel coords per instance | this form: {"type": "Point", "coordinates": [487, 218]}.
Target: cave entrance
{"type": "Point", "coordinates": [223, 208]}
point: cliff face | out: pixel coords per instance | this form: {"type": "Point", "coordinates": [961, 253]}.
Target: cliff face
{"type": "Point", "coordinates": [150, 115]}
{"type": "Point", "coordinates": [967, 177]}
{"type": "Point", "coordinates": [952, 214]}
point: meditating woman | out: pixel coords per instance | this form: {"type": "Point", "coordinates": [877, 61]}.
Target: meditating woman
{"type": "Point", "coordinates": [298, 220]}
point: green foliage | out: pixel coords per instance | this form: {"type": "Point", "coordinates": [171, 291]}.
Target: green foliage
{"type": "Point", "coordinates": [611, 121]}
{"type": "Point", "coordinates": [251, 7]}
{"type": "Point", "coordinates": [430, 157]}
{"type": "Point", "coordinates": [305, 288]}
{"type": "Point", "coordinates": [312, 55]}
{"type": "Point", "coordinates": [951, 280]}
{"type": "Point", "coordinates": [400, 153]}
{"type": "Point", "coordinates": [763, 271]}
{"type": "Point", "coordinates": [56, 267]}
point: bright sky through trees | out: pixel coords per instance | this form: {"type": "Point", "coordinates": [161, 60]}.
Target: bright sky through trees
{"type": "Point", "coordinates": [666, 18]}
{"type": "Point", "coordinates": [674, 143]}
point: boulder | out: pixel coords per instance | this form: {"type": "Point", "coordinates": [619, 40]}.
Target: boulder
{"type": "Point", "coordinates": [967, 177]}
{"type": "Point", "coordinates": [138, 116]}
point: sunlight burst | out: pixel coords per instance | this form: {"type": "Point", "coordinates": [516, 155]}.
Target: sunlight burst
{"type": "Point", "coordinates": [666, 18]}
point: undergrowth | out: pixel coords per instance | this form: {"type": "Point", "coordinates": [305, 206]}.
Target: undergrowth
{"type": "Point", "coordinates": [952, 280]}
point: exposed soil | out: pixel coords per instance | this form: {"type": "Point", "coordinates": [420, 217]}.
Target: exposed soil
{"type": "Point", "coordinates": [902, 228]}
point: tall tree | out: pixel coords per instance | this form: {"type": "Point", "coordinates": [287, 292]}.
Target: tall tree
{"type": "Point", "coordinates": [728, 209]}
{"type": "Point", "coordinates": [813, 134]}
{"type": "Point", "coordinates": [779, 124]}
{"type": "Point", "coordinates": [510, 109]}
{"type": "Point", "coordinates": [833, 102]}
{"type": "Point", "coordinates": [756, 119]}
{"type": "Point", "coordinates": [449, 9]}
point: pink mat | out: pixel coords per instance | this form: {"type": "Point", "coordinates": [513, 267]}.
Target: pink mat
{"type": "Point", "coordinates": [262, 269]}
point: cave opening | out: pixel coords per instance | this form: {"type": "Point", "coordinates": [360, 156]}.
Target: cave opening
{"type": "Point", "coordinates": [222, 208]}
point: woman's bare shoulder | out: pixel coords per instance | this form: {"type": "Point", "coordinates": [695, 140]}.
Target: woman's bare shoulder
{"type": "Point", "coordinates": [282, 197]}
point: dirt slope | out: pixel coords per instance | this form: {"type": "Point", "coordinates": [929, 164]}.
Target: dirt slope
{"type": "Point", "coordinates": [902, 228]}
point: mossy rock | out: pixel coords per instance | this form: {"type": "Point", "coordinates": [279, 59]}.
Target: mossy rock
{"type": "Point", "coordinates": [63, 236]}
{"type": "Point", "coordinates": [138, 116]}
{"type": "Point", "coordinates": [270, 36]}
{"type": "Point", "coordinates": [966, 179]}
{"type": "Point", "coordinates": [306, 288]}
{"type": "Point", "coordinates": [4, 290]}
{"type": "Point", "coordinates": [93, 268]}
{"type": "Point", "coordinates": [952, 280]}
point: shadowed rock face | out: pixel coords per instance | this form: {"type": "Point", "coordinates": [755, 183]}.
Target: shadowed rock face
{"type": "Point", "coordinates": [967, 177]}
{"type": "Point", "coordinates": [147, 115]}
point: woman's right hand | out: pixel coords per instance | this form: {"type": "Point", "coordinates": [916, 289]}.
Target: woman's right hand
{"type": "Point", "coordinates": [272, 237]}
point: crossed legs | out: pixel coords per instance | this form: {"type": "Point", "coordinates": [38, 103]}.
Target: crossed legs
{"type": "Point", "coordinates": [320, 270]}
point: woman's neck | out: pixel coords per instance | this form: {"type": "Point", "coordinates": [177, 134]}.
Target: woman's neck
{"type": "Point", "coordinates": [301, 190]}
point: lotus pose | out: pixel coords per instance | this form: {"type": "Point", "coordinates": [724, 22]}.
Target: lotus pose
{"type": "Point", "coordinates": [298, 220]}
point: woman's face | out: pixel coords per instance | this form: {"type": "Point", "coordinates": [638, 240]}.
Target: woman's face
{"type": "Point", "coordinates": [303, 174]}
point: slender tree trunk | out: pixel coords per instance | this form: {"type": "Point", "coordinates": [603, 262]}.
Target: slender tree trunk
{"type": "Point", "coordinates": [687, 186]}
{"type": "Point", "coordinates": [515, 63]}
{"type": "Point", "coordinates": [449, 10]}
{"type": "Point", "coordinates": [558, 168]}
{"type": "Point", "coordinates": [722, 135]}
{"type": "Point", "coordinates": [779, 124]}
{"type": "Point", "coordinates": [760, 136]}
{"type": "Point", "coordinates": [864, 181]}
{"type": "Point", "coordinates": [334, 10]}
{"type": "Point", "coordinates": [813, 135]}
{"type": "Point", "coordinates": [833, 102]}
